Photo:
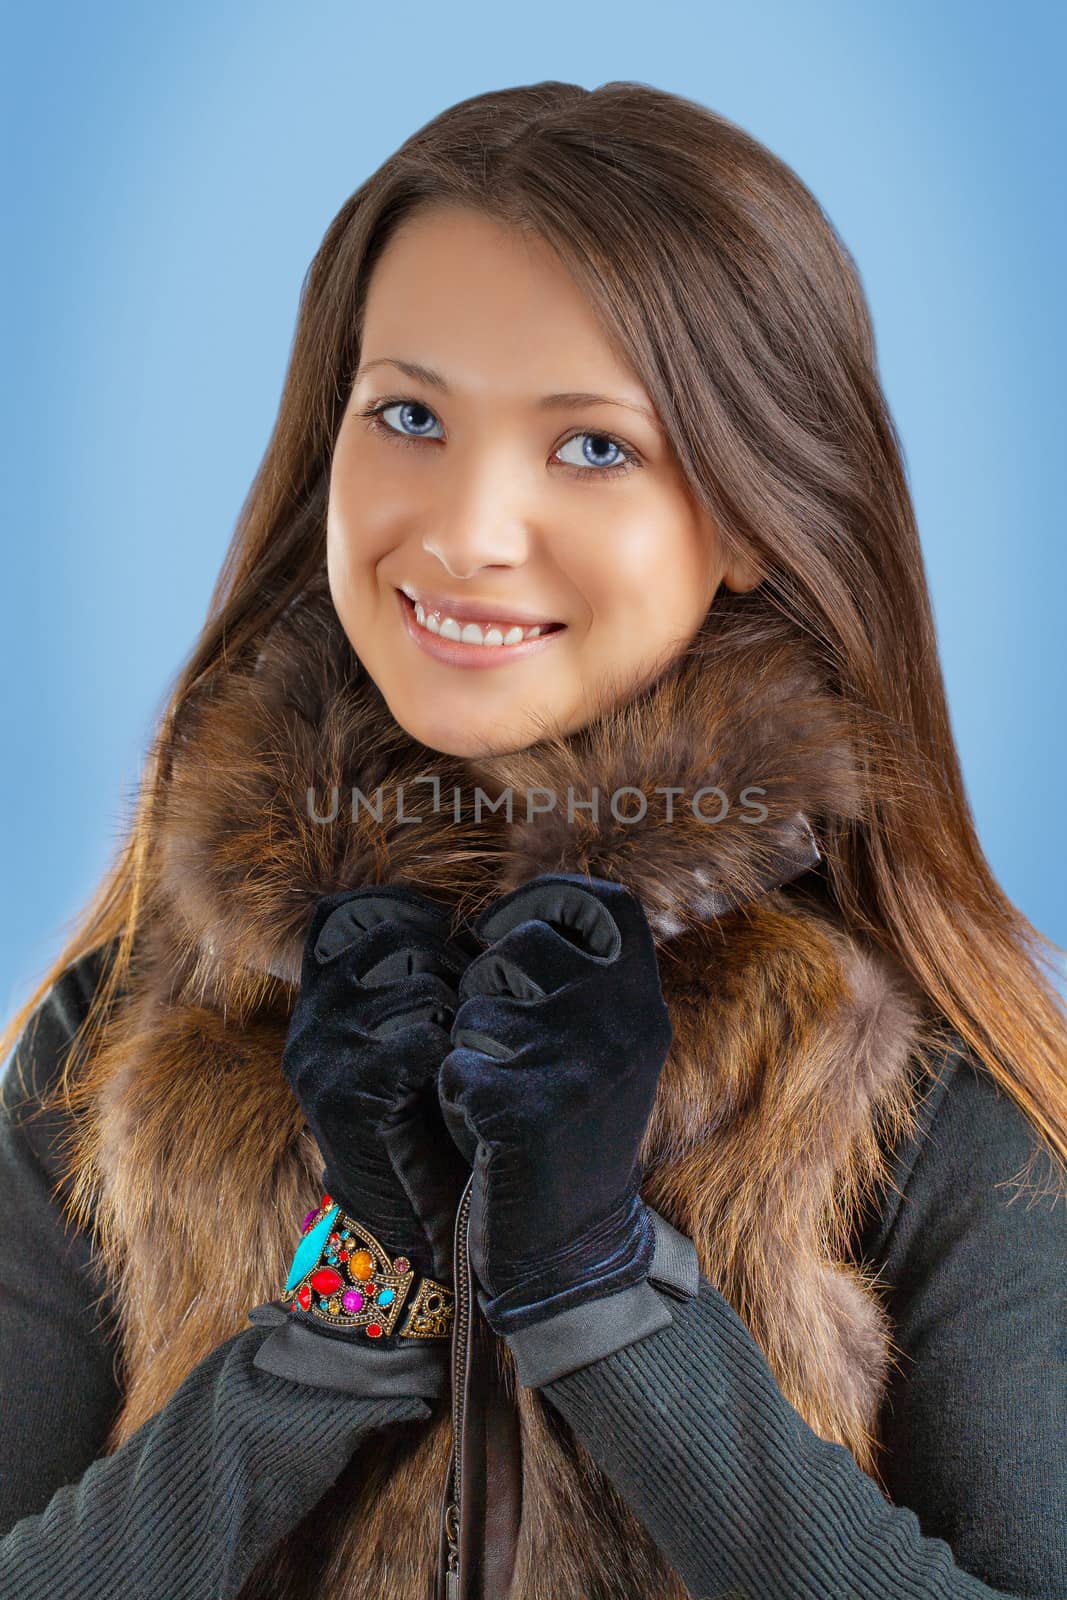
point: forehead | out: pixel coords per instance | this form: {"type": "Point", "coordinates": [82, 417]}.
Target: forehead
{"type": "Point", "coordinates": [474, 298]}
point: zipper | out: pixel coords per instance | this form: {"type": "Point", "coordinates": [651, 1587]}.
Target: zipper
{"type": "Point", "coordinates": [460, 1338]}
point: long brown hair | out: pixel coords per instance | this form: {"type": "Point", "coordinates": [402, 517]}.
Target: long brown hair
{"type": "Point", "coordinates": [727, 290]}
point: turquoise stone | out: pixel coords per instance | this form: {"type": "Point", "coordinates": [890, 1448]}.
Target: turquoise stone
{"type": "Point", "coordinates": [385, 1297]}
{"type": "Point", "coordinates": [309, 1249]}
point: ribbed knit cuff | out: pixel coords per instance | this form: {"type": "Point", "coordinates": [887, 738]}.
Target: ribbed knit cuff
{"type": "Point", "coordinates": [586, 1333]}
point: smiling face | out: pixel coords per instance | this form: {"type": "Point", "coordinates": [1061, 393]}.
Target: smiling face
{"type": "Point", "coordinates": [491, 485]}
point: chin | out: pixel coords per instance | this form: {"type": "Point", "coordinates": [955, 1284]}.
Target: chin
{"type": "Point", "coordinates": [464, 742]}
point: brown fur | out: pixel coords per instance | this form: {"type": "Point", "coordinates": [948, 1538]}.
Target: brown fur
{"type": "Point", "coordinates": [792, 1067]}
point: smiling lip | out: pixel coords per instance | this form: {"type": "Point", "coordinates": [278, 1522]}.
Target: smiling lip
{"type": "Point", "coordinates": [461, 611]}
{"type": "Point", "coordinates": [456, 653]}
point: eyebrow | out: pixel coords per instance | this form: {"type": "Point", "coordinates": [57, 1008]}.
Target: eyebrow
{"type": "Point", "coordinates": [547, 402]}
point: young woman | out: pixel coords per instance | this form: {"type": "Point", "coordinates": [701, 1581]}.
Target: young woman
{"type": "Point", "coordinates": [554, 884]}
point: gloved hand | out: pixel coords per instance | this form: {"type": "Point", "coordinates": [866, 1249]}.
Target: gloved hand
{"type": "Point", "coordinates": [366, 1037]}
{"type": "Point", "coordinates": [559, 1039]}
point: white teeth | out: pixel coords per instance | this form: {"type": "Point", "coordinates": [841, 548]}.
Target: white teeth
{"type": "Point", "coordinates": [471, 632]}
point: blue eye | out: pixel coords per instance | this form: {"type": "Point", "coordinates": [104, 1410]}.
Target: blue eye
{"type": "Point", "coordinates": [603, 441]}
{"type": "Point", "coordinates": [424, 419]}
{"type": "Point", "coordinates": [402, 405]}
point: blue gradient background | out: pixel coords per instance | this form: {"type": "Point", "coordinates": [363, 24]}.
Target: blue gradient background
{"type": "Point", "coordinates": [170, 175]}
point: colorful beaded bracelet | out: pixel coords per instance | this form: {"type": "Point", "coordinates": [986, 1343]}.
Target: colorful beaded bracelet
{"type": "Point", "coordinates": [342, 1275]}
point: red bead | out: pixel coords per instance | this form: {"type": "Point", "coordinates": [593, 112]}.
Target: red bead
{"type": "Point", "coordinates": [303, 1294]}
{"type": "Point", "coordinates": [326, 1280]}
{"type": "Point", "coordinates": [374, 1330]}
{"type": "Point", "coordinates": [326, 1201]}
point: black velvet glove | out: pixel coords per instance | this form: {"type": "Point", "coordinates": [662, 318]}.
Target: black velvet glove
{"type": "Point", "coordinates": [366, 1037]}
{"type": "Point", "coordinates": [559, 1039]}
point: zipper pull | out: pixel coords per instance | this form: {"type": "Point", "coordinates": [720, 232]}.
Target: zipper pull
{"type": "Point", "coordinates": [452, 1569]}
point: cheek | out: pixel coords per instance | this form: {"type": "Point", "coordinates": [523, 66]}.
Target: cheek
{"type": "Point", "coordinates": [357, 523]}
{"type": "Point", "coordinates": [349, 556]}
{"type": "Point", "coordinates": [341, 547]}
{"type": "Point", "coordinates": [653, 568]}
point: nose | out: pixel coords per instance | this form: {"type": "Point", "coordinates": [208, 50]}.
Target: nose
{"type": "Point", "coordinates": [463, 557]}
{"type": "Point", "coordinates": [457, 568]}
{"type": "Point", "coordinates": [467, 550]}
{"type": "Point", "coordinates": [481, 512]}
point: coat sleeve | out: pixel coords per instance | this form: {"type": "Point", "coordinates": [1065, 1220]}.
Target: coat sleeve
{"type": "Point", "coordinates": [189, 1503]}
{"type": "Point", "coordinates": [744, 1498]}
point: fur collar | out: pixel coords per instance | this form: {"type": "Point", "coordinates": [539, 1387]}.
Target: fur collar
{"type": "Point", "coordinates": [792, 1069]}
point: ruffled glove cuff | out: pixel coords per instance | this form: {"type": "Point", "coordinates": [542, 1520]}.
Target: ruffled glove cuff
{"type": "Point", "coordinates": [585, 1333]}
{"type": "Point", "coordinates": [614, 1254]}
